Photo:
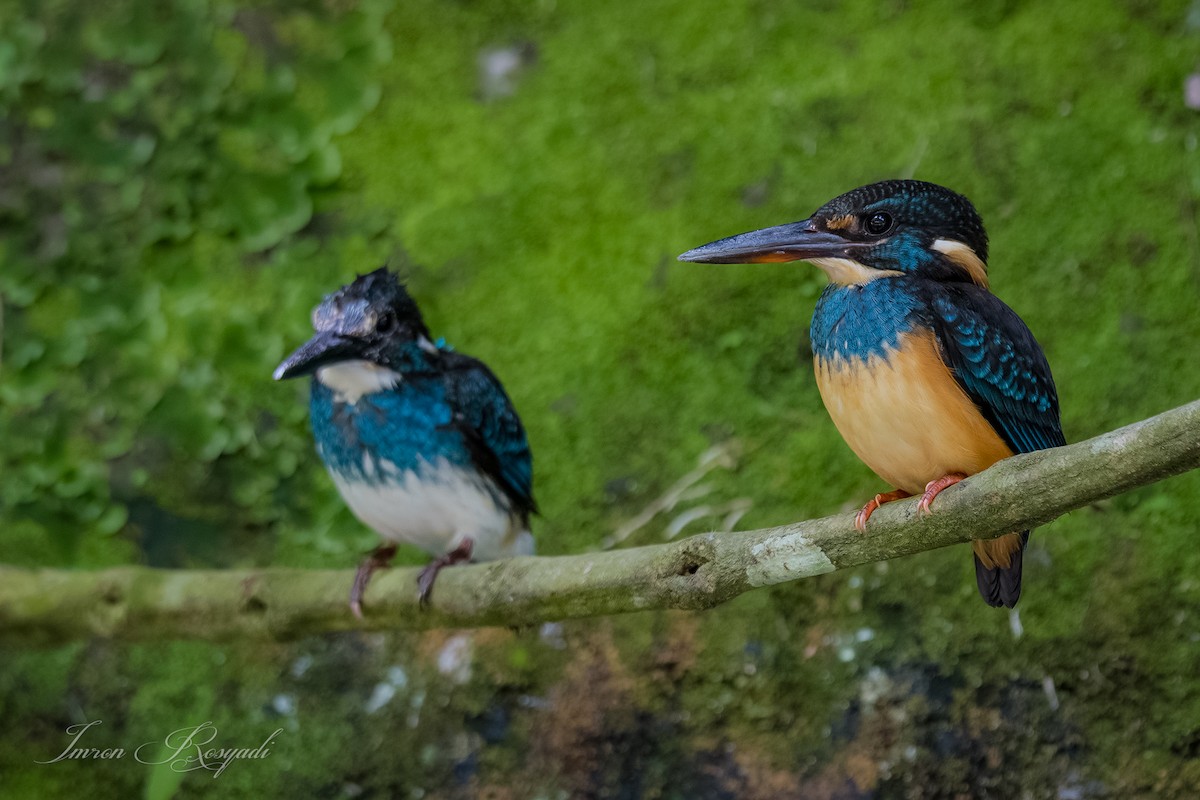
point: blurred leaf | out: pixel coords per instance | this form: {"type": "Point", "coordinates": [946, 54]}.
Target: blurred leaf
{"type": "Point", "coordinates": [147, 150]}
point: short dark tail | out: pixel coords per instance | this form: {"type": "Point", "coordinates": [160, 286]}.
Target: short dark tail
{"type": "Point", "coordinates": [998, 568]}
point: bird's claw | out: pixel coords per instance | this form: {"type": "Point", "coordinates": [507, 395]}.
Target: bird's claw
{"type": "Point", "coordinates": [379, 558]}
{"type": "Point", "coordinates": [864, 514]}
{"type": "Point", "coordinates": [425, 582]}
{"type": "Point", "coordinates": [934, 488]}
{"type": "Point", "coordinates": [428, 575]}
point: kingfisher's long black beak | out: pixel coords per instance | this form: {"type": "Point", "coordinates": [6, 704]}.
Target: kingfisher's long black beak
{"type": "Point", "coordinates": [325, 347]}
{"type": "Point", "coordinates": [793, 242]}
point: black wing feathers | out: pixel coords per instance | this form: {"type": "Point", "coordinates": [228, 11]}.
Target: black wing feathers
{"type": "Point", "coordinates": [490, 427]}
{"type": "Point", "coordinates": [1002, 368]}
{"type": "Point", "coordinates": [999, 364]}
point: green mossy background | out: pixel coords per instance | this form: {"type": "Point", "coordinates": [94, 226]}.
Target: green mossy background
{"type": "Point", "coordinates": [181, 181]}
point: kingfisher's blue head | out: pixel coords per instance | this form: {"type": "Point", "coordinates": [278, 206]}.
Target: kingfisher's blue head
{"type": "Point", "coordinates": [899, 227]}
{"type": "Point", "coordinates": [372, 321]}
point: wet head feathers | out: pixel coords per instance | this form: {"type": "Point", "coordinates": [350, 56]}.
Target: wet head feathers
{"type": "Point", "coordinates": [374, 304]}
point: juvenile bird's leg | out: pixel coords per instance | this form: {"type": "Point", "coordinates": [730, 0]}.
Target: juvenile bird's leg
{"type": "Point", "coordinates": [860, 519]}
{"type": "Point", "coordinates": [934, 488]}
{"type": "Point", "coordinates": [378, 559]}
{"type": "Point", "coordinates": [428, 575]}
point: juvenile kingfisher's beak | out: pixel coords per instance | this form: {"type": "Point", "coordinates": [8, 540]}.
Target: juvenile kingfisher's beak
{"type": "Point", "coordinates": [796, 241]}
{"type": "Point", "coordinates": [325, 347]}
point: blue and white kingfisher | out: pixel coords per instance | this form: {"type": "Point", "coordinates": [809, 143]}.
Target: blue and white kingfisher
{"type": "Point", "coordinates": [422, 442]}
{"type": "Point", "coordinates": [928, 376]}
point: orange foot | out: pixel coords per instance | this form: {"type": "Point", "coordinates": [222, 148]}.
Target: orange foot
{"type": "Point", "coordinates": [934, 488]}
{"type": "Point", "coordinates": [860, 519]}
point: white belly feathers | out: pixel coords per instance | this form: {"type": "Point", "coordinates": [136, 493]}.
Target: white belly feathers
{"type": "Point", "coordinates": [436, 510]}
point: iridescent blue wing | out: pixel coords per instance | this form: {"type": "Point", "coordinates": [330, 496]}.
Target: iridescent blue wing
{"type": "Point", "coordinates": [999, 364]}
{"type": "Point", "coordinates": [490, 426]}
{"type": "Point", "coordinates": [1002, 368]}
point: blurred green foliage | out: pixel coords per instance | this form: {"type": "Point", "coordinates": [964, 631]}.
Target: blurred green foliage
{"type": "Point", "coordinates": [181, 181]}
{"type": "Point", "coordinates": [154, 153]}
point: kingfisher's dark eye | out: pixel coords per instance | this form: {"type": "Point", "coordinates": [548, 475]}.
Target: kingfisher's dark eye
{"type": "Point", "coordinates": [878, 223]}
{"type": "Point", "coordinates": [386, 323]}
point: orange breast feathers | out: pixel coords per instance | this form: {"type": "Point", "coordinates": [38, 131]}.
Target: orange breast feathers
{"type": "Point", "coordinates": [905, 416]}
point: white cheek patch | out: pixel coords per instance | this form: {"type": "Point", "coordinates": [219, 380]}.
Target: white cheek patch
{"type": "Point", "coordinates": [350, 380]}
{"type": "Point", "coordinates": [965, 258]}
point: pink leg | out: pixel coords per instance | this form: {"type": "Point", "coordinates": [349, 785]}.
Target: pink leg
{"type": "Point", "coordinates": [378, 559]}
{"type": "Point", "coordinates": [934, 488]}
{"type": "Point", "coordinates": [860, 520]}
{"type": "Point", "coordinates": [428, 575]}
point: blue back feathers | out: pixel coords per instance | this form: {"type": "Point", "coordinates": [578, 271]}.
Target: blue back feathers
{"type": "Point", "coordinates": [999, 364]}
{"type": "Point", "coordinates": [989, 350]}
{"type": "Point", "coordinates": [447, 406]}
{"type": "Point", "coordinates": [490, 428]}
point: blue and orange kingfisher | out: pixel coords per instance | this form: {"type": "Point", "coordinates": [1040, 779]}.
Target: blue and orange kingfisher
{"type": "Point", "coordinates": [928, 376]}
{"type": "Point", "coordinates": [422, 441]}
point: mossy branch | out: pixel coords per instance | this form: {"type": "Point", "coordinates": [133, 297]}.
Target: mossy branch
{"type": "Point", "coordinates": [48, 606]}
